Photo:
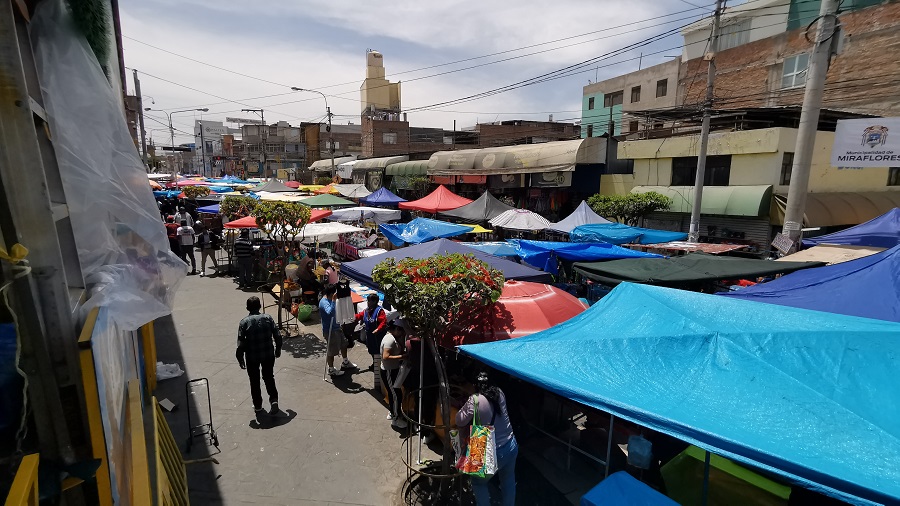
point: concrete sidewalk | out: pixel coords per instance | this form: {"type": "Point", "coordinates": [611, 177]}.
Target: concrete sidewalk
{"type": "Point", "coordinates": [333, 445]}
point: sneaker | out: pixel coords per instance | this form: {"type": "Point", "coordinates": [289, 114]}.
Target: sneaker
{"type": "Point", "coordinates": [335, 372]}
{"type": "Point", "coordinates": [346, 364]}
{"type": "Point", "coordinates": [389, 416]}
{"type": "Point", "coordinates": [399, 423]}
{"type": "Point", "coordinates": [202, 274]}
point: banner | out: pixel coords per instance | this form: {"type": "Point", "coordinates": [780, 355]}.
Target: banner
{"type": "Point", "coordinates": [869, 142]}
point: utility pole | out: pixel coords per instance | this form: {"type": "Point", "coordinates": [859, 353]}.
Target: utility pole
{"type": "Point", "coordinates": [809, 120]}
{"type": "Point", "coordinates": [330, 139]}
{"type": "Point", "coordinates": [140, 101]}
{"type": "Point", "coordinates": [694, 231]}
{"type": "Point", "coordinates": [202, 149]}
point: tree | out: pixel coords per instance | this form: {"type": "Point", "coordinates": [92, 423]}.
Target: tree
{"type": "Point", "coordinates": [324, 180]}
{"type": "Point", "coordinates": [283, 221]}
{"type": "Point", "coordinates": [630, 208]}
{"type": "Point", "coordinates": [237, 206]}
{"type": "Point", "coordinates": [419, 186]}
{"type": "Point", "coordinates": [429, 293]}
{"type": "Point", "coordinates": [193, 192]}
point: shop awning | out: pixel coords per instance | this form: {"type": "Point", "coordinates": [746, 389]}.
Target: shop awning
{"type": "Point", "coordinates": [411, 168]}
{"type": "Point", "coordinates": [324, 165]}
{"type": "Point", "coordinates": [721, 200]}
{"type": "Point", "coordinates": [558, 156]}
{"type": "Point", "coordinates": [378, 163]}
{"type": "Point", "coordinates": [840, 208]}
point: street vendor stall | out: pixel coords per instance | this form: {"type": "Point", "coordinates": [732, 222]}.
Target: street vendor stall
{"type": "Point", "coordinates": [421, 230]}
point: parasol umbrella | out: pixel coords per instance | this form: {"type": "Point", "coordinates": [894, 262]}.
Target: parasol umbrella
{"type": "Point", "coordinates": [292, 184]}
{"type": "Point", "coordinates": [327, 189]}
{"type": "Point", "coordinates": [520, 219]}
{"type": "Point", "coordinates": [523, 308]}
{"type": "Point", "coordinates": [154, 185]}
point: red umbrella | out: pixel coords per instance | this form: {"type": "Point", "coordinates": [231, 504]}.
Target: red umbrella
{"type": "Point", "coordinates": [292, 184]}
{"type": "Point", "coordinates": [250, 221]}
{"type": "Point", "coordinates": [523, 308]}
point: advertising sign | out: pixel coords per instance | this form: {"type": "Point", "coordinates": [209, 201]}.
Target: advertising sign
{"type": "Point", "coordinates": [869, 142]}
{"type": "Point", "coordinates": [244, 121]}
{"type": "Point", "coordinates": [551, 179]}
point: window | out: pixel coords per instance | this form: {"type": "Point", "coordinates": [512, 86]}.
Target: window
{"type": "Point", "coordinates": [632, 126]}
{"type": "Point", "coordinates": [893, 176]}
{"type": "Point", "coordinates": [591, 103]}
{"type": "Point", "coordinates": [590, 131]}
{"type": "Point", "coordinates": [794, 73]}
{"type": "Point", "coordinates": [662, 88]}
{"type": "Point", "coordinates": [734, 35]}
{"type": "Point", "coordinates": [389, 138]}
{"type": "Point", "coordinates": [787, 164]}
{"type": "Point", "coordinates": [635, 94]}
{"type": "Point", "coordinates": [718, 170]}
{"type": "Point", "coordinates": [614, 98]}
{"type": "Point", "coordinates": [336, 144]}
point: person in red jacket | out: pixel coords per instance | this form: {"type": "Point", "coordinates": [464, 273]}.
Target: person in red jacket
{"type": "Point", "coordinates": [172, 233]}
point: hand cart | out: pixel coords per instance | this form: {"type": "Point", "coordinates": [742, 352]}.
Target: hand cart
{"type": "Point", "coordinates": [204, 429]}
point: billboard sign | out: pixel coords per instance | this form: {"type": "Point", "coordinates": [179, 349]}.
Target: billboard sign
{"type": "Point", "coordinates": [244, 121]}
{"type": "Point", "coordinates": [868, 142]}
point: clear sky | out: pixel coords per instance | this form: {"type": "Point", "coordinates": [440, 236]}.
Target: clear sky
{"type": "Point", "coordinates": [321, 44]}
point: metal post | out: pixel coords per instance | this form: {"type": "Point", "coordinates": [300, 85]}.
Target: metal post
{"type": "Point", "coordinates": [694, 231]}
{"type": "Point", "coordinates": [809, 120]}
{"type": "Point", "coordinates": [202, 150]}
{"type": "Point", "coordinates": [609, 443]}
{"type": "Point", "coordinates": [705, 498]}
{"type": "Point", "coordinates": [330, 137]}
{"type": "Point", "coordinates": [421, 389]}
{"type": "Point", "coordinates": [140, 101]}
{"type": "Point", "coordinates": [172, 145]}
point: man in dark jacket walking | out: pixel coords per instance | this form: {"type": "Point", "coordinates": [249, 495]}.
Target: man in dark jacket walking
{"type": "Point", "coordinates": [258, 345]}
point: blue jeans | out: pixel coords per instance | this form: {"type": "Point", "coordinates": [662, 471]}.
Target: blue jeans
{"type": "Point", "coordinates": [506, 473]}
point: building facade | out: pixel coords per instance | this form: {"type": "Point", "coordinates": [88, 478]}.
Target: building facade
{"type": "Point", "coordinates": [266, 149]}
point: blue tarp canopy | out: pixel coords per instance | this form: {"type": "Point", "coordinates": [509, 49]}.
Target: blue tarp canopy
{"type": "Point", "coordinates": [496, 248]}
{"type": "Point", "coordinates": [381, 197]}
{"type": "Point", "coordinates": [868, 287]}
{"type": "Point", "coordinates": [622, 489]}
{"type": "Point", "coordinates": [361, 270]}
{"type": "Point", "coordinates": [619, 233]}
{"type": "Point", "coordinates": [421, 230]}
{"type": "Point", "coordinates": [543, 254]}
{"type": "Point", "coordinates": [220, 189]}
{"type": "Point", "coordinates": [228, 180]}
{"type": "Point", "coordinates": [213, 209]}
{"type": "Point", "coordinates": [883, 232]}
{"type": "Point", "coordinates": [167, 193]}
{"type": "Point", "coordinates": [808, 395]}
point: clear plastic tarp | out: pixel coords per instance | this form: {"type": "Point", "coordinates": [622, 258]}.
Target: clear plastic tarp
{"type": "Point", "coordinates": [121, 240]}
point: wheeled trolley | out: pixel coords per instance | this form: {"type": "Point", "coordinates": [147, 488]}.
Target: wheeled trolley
{"type": "Point", "coordinates": [191, 390]}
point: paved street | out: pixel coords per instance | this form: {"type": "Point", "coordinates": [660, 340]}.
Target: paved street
{"type": "Point", "coordinates": [333, 446]}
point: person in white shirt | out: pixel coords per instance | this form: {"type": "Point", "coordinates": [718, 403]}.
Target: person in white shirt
{"type": "Point", "coordinates": [182, 214]}
{"type": "Point", "coordinates": [186, 238]}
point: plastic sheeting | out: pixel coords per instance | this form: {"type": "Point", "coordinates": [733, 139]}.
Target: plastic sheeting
{"type": "Point", "coordinates": [543, 254]}
{"type": "Point", "coordinates": [441, 199]}
{"type": "Point", "coordinates": [868, 287]}
{"type": "Point", "coordinates": [882, 232]}
{"type": "Point", "coordinates": [582, 215]}
{"type": "Point", "coordinates": [690, 268]}
{"type": "Point", "coordinates": [622, 489]}
{"type": "Point", "coordinates": [618, 233]}
{"type": "Point", "coordinates": [804, 394]}
{"type": "Point", "coordinates": [376, 214]}
{"type": "Point", "coordinates": [361, 270]}
{"type": "Point", "coordinates": [496, 248]}
{"type": "Point", "coordinates": [421, 230]}
{"type": "Point", "coordinates": [382, 197]}
{"type": "Point", "coordinates": [481, 209]}
{"type": "Point", "coordinates": [520, 219]}
{"type": "Point", "coordinates": [121, 241]}
{"type": "Point", "coordinates": [213, 209]}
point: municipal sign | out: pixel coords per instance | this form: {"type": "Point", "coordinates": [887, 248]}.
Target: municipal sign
{"type": "Point", "coordinates": [868, 142]}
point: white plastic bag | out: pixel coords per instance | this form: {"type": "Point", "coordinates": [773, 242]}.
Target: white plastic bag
{"type": "Point", "coordinates": [167, 371]}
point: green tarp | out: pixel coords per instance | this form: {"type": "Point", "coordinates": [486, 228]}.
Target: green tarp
{"type": "Point", "coordinates": [326, 200]}
{"type": "Point", "coordinates": [690, 268]}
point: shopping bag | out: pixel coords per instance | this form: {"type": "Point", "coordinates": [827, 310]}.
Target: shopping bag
{"type": "Point", "coordinates": [481, 453]}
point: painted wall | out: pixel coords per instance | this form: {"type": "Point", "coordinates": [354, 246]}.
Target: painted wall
{"type": "Point", "coordinates": [756, 160]}
{"type": "Point", "coordinates": [599, 116]}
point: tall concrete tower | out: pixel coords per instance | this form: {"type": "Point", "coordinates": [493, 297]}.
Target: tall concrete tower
{"type": "Point", "coordinates": [379, 98]}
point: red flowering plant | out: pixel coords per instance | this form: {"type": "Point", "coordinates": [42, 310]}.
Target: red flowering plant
{"type": "Point", "coordinates": [429, 293]}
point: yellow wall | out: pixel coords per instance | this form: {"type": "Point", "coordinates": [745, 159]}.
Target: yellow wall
{"type": "Point", "coordinates": [756, 160]}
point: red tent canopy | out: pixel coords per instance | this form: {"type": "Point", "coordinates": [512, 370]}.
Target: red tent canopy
{"type": "Point", "coordinates": [250, 221]}
{"type": "Point", "coordinates": [292, 184]}
{"type": "Point", "coordinates": [523, 308]}
{"type": "Point", "coordinates": [439, 200]}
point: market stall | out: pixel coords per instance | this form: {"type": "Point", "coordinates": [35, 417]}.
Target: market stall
{"type": "Point", "coordinates": [421, 230]}
{"type": "Point", "coordinates": [618, 233]}
{"type": "Point", "coordinates": [867, 287]}
{"type": "Point", "coordinates": [381, 197]}
{"type": "Point", "coordinates": [441, 199]}
{"type": "Point", "coordinates": [546, 254]}
{"type": "Point", "coordinates": [520, 219]}
{"type": "Point", "coordinates": [882, 232]}
{"type": "Point", "coordinates": [326, 200]}
{"type": "Point", "coordinates": [804, 400]}
{"type": "Point", "coordinates": [363, 214]}
{"type": "Point", "coordinates": [582, 215]}
{"type": "Point", "coordinates": [479, 210]}
{"type": "Point", "coordinates": [352, 191]}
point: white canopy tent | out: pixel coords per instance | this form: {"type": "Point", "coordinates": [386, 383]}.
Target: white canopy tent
{"type": "Point", "coordinates": [520, 219]}
{"type": "Point", "coordinates": [283, 197]}
{"type": "Point", "coordinates": [323, 232]}
{"type": "Point", "coordinates": [352, 191]}
{"type": "Point", "coordinates": [582, 215]}
{"type": "Point", "coordinates": [376, 214]}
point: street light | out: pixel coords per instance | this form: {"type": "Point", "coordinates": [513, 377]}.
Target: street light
{"type": "Point", "coordinates": [172, 132]}
{"type": "Point", "coordinates": [327, 127]}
